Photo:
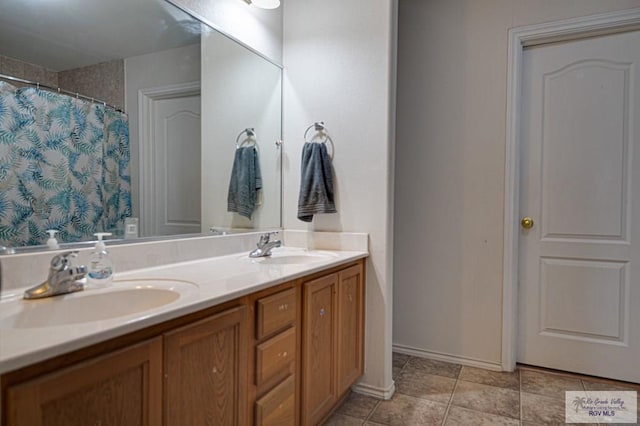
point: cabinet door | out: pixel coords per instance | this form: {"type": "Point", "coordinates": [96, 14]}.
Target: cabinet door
{"type": "Point", "coordinates": [123, 388]}
{"type": "Point", "coordinates": [319, 345]}
{"type": "Point", "coordinates": [350, 360]}
{"type": "Point", "coordinates": [206, 371]}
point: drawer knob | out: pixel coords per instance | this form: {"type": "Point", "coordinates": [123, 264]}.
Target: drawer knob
{"type": "Point", "coordinates": [284, 307]}
{"type": "Point", "coordinates": [283, 354]}
{"type": "Point", "coordinates": [321, 312]}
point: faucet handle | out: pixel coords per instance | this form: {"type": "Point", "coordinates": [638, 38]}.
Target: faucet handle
{"type": "Point", "coordinates": [266, 237]}
{"type": "Point", "coordinates": [62, 260]}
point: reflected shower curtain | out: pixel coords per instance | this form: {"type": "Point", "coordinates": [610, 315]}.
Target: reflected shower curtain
{"type": "Point", "coordinates": [64, 165]}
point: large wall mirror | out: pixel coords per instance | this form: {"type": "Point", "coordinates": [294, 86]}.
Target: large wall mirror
{"type": "Point", "coordinates": [132, 117]}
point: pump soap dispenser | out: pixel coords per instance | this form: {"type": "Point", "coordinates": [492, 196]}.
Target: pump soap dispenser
{"type": "Point", "coordinates": [52, 243]}
{"type": "Point", "coordinates": [100, 265]}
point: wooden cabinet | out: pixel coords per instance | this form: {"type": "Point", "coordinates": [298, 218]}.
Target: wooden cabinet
{"type": "Point", "coordinates": [282, 356]}
{"type": "Point", "coordinates": [333, 331]}
{"type": "Point", "coordinates": [206, 371]}
{"type": "Point", "coordinates": [123, 388]}
{"type": "Point", "coordinates": [199, 370]}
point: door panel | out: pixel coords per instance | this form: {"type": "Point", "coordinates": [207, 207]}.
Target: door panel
{"type": "Point", "coordinates": [122, 388]}
{"type": "Point", "coordinates": [350, 333]}
{"type": "Point", "coordinates": [176, 123]}
{"type": "Point", "coordinates": [319, 387]}
{"type": "Point", "coordinates": [206, 371]}
{"type": "Point", "coordinates": [579, 294]}
{"type": "Point", "coordinates": [584, 146]}
{"type": "Point", "coordinates": [597, 290]}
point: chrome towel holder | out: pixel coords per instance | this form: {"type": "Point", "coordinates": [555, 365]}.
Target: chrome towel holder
{"type": "Point", "coordinates": [251, 133]}
{"type": "Point", "coordinates": [320, 128]}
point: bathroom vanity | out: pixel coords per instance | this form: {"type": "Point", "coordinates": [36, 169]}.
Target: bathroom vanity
{"type": "Point", "coordinates": [275, 341]}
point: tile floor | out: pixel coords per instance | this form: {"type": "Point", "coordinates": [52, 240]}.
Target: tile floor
{"type": "Point", "coordinates": [432, 392]}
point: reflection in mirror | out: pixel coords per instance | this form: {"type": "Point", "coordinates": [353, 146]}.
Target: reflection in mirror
{"type": "Point", "coordinates": [130, 117]}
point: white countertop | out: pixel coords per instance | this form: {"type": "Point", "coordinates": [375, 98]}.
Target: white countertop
{"type": "Point", "coordinates": [213, 281]}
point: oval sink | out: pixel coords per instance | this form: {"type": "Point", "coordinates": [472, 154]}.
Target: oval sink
{"type": "Point", "coordinates": [125, 298]}
{"type": "Point", "coordinates": [292, 257]}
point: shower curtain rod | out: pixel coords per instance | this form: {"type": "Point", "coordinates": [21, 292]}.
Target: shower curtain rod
{"type": "Point", "coordinates": [59, 90]}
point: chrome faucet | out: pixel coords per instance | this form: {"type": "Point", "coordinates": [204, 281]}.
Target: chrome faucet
{"type": "Point", "coordinates": [63, 278]}
{"type": "Point", "coordinates": [265, 245]}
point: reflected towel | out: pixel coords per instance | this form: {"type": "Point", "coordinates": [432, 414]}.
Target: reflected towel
{"type": "Point", "coordinates": [316, 183]}
{"type": "Point", "coordinates": [245, 182]}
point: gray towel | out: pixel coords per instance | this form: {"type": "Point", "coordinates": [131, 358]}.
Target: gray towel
{"type": "Point", "coordinates": [316, 183]}
{"type": "Point", "coordinates": [245, 182]}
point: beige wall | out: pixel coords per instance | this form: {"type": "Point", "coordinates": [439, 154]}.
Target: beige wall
{"type": "Point", "coordinates": [27, 71]}
{"type": "Point", "coordinates": [104, 81]}
{"type": "Point", "coordinates": [339, 60]}
{"type": "Point", "coordinates": [452, 78]}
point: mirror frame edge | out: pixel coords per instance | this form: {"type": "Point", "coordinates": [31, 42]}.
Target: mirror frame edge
{"type": "Point", "coordinates": [216, 27]}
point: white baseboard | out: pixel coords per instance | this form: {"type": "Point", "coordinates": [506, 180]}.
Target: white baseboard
{"type": "Point", "coordinates": [471, 362]}
{"type": "Point", "coordinates": [375, 391]}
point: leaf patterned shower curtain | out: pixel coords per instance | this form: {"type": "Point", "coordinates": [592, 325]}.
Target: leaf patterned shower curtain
{"type": "Point", "coordinates": [64, 165]}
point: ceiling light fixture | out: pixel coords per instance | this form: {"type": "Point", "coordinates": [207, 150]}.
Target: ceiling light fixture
{"type": "Point", "coordinates": [264, 4]}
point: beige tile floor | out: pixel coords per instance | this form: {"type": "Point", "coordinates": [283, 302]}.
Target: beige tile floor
{"type": "Point", "coordinates": [432, 392]}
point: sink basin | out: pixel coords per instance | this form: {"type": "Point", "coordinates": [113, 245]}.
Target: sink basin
{"type": "Point", "coordinates": [122, 299]}
{"type": "Point", "coordinates": [293, 257]}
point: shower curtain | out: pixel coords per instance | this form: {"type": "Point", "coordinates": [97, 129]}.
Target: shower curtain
{"type": "Point", "coordinates": [64, 165]}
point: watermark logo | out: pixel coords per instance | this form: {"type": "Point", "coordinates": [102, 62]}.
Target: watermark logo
{"type": "Point", "coordinates": [601, 407]}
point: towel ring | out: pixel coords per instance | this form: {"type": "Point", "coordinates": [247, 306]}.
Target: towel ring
{"type": "Point", "coordinates": [251, 133]}
{"type": "Point", "coordinates": [319, 127]}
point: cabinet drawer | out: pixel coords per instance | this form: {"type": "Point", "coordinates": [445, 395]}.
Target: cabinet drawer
{"type": "Point", "coordinates": [275, 354]}
{"type": "Point", "coordinates": [275, 312]}
{"type": "Point", "coordinates": [278, 407]}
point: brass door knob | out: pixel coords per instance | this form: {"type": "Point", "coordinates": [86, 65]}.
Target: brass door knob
{"type": "Point", "coordinates": [526, 222]}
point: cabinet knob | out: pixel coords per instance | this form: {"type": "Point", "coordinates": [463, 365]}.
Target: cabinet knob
{"type": "Point", "coordinates": [321, 312]}
{"type": "Point", "coordinates": [284, 307]}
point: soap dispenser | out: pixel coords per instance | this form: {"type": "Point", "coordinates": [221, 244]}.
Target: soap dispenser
{"type": "Point", "coordinates": [52, 243]}
{"type": "Point", "coordinates": [100, 265]}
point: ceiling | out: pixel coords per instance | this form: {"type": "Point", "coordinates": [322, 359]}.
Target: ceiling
{"type": "Point", "coordinates": [66, 34]}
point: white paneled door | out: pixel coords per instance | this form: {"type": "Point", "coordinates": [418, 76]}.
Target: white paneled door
{"type": "Point", "coordinates": [176, 122]}
{"type": "Point", "coordinates": [579, 271]}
